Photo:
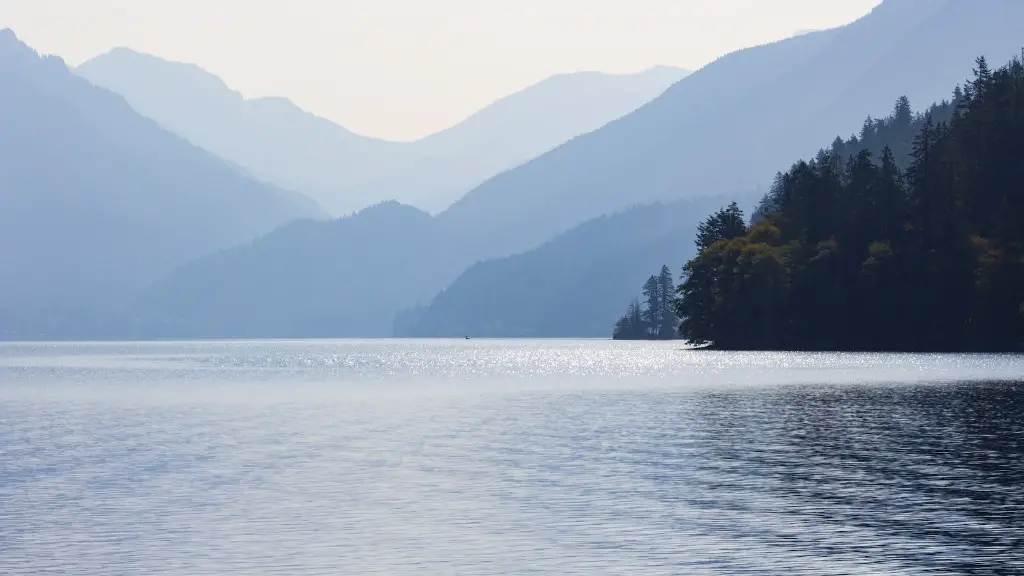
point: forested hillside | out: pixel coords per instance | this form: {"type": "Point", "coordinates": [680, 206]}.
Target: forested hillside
{"type": "Point", "coordinates": [854, 253]}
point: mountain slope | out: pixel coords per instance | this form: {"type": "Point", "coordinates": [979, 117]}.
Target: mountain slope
{"type": "Point", "coordinates": [531, 121]}
{"type": "Point", "coordinates": [572, 286]}
{"type": "Point", "coordinates": [339, 278]}
{"type": "Point", "coordinates": [271, 137]}
{"type": "Point", "coordinates": [730, 126]}
{"type": "Point", "coordinates": [524, 125]}
{"type": "Point", "coordinates": [280, 143]}
{"type": "Point", "coordinates": [569, 286]}
{"type": "Point", "coordinates": [97, 201]}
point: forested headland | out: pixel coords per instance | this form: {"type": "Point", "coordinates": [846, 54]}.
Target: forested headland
{"type": "Point", "coordinates": [908, 237]}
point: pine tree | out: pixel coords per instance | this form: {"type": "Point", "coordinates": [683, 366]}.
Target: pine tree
{"type": "Point", "coordinates": [666, 315]}
{"type": "Point", "coordinates": [902, 113]}
{"type": "Point", "coordinates": [655, 318]}
{"type": "Point", "coordinates": [636, 319]}
{"type": "Point", "coordinates": [982, 76]}
{"type": "Point", "coordinates": [725, 224]}
{"type": "Point", "coordinates": [631, 326]}
{"type": "Point", "coordinates": [652, 307]}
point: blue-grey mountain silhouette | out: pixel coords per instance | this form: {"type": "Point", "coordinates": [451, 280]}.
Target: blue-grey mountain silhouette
{"type": "Point", "coordinates": [572, 286]}
{"type": "Point", "coordinates": [283, 144]}
{"type": "Point", "coordinates": [340, 278]}
{"type": "Point", "coordinates": [97, 201]}
{"type": "Point", "coordinates": [728, 127]}
{"type": "Point", "coordinates": [724, 130]}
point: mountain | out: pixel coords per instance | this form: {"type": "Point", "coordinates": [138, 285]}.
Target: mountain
{"type": "Point", "coordinates": [525, 125]}
{"type": "Point", "coordinates": [534, 120]}
{"type": "Point", "coordinates": [97, 201]}
{"type": "Point", "coordinates": [730, 126]}
{"type": "Point", "coordinates": [282, 144]}
{"type": "Point", "coordinates": [725, 130]}
{"type": "Point", "coordinates": [338, 278]}
{"type": "Point", "coordinates": [307, 279]}
{"type": "Point", "coordinates": [573, 286]}
{"type": "Point", "coordinates": [271, 137]}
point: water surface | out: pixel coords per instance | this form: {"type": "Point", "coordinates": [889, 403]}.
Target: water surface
{"type": "Point", "coordinates": [506, 457]}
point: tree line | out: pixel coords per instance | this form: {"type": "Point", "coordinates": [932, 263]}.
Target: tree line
{"type": "Point", "coordinates": [908, 237]}
{"type": "Point", "coordinates": [655, 318]}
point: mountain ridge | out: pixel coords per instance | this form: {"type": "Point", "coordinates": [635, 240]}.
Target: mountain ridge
{"type": "Point", "coordinates": [692, 140]}
{"type": "Point", "coordinates": [723, 131]}
{"type": "Point", "coordinates": [282, 143]}
{"type": "Point", "coordinates": [95, 196]}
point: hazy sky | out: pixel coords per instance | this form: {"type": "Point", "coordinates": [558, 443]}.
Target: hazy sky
{"type": "Point", "coordinates": [400, 69]}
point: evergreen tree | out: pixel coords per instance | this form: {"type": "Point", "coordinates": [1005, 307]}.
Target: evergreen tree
{"type": "Point", "coordinates": [725, 224]}
{"type": "Point", "coordinates": [652, 306]}
{"type": "Point", "coordinates": [907, 237]}
{"type": "Point", "coordinates": [655, 319]}
{"type": "Point", "coordinates": [902, 114]}
{"type": "Point", "coordinates": [631, 326]}
{"type": "Point", "coordinates": [636, 319]}
{"type": "Point", "coordinates": [666, 314]}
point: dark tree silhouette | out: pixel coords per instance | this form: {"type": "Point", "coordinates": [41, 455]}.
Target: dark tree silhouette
{"type": "Point", "coordinates": [655, 319]}
{"type": "Point", "coordinates": [652, 306]}
{"type": "Point", "coordinates": [666, 319]}
{"type": "Point", "coordinates": [909, 236]}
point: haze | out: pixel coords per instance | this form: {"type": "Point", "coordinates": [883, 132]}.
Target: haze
{"type": "Point", "coordinates": [401, 69]}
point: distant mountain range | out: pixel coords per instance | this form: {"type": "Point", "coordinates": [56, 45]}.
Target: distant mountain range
{"type": "Point", "coordinates": [282, 144]}
{"type": "Point", "coordinates": [97, 202]}
{"type": "Point", "coordinates": [723, 131]}
{"type": "Point", "coordinates": [730, 126]}
{"type": "Point", "coordinates": [586, 207]}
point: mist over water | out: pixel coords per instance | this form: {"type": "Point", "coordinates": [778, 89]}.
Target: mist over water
{"type": "Point", "coordinates": [506, 457]}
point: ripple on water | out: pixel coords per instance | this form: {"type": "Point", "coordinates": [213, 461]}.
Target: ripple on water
{"type": "Point", "coordinates": [497, 457]}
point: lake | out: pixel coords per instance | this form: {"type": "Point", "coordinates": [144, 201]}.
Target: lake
{"type": "Point", "coordinates": [483, 457]}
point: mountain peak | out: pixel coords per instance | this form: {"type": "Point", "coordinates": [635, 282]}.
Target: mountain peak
{"type": "Point", "coordinates": [10, 43]}
{"type": "Point", "coordinates": [126, 51]}
{"type": "Point", "coordinates": [660, 70]}
{"type": "Point", "coordinates": [96, 199]}
{"type": "Point", "coordinates": [18, 57]}
{"type": "Point", "coordinates": [664, 68]}
{"type": "Point", "coordinates": [122, 61]}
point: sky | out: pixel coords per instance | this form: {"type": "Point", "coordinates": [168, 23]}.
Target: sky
{"type": "Point", "coordinates": [402, 69]}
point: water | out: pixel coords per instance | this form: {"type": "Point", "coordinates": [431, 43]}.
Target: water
{"type": "Point", "coordinates": [506, 457]}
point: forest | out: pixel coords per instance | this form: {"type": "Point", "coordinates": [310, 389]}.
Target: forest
{"type": "Point", "coordinates": [655, 318]}
{"type": "Point", "coordinates": [907, 237]}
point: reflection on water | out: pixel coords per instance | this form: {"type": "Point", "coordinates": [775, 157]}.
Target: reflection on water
{"type": "Point", "coordinates": [522, 457]}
